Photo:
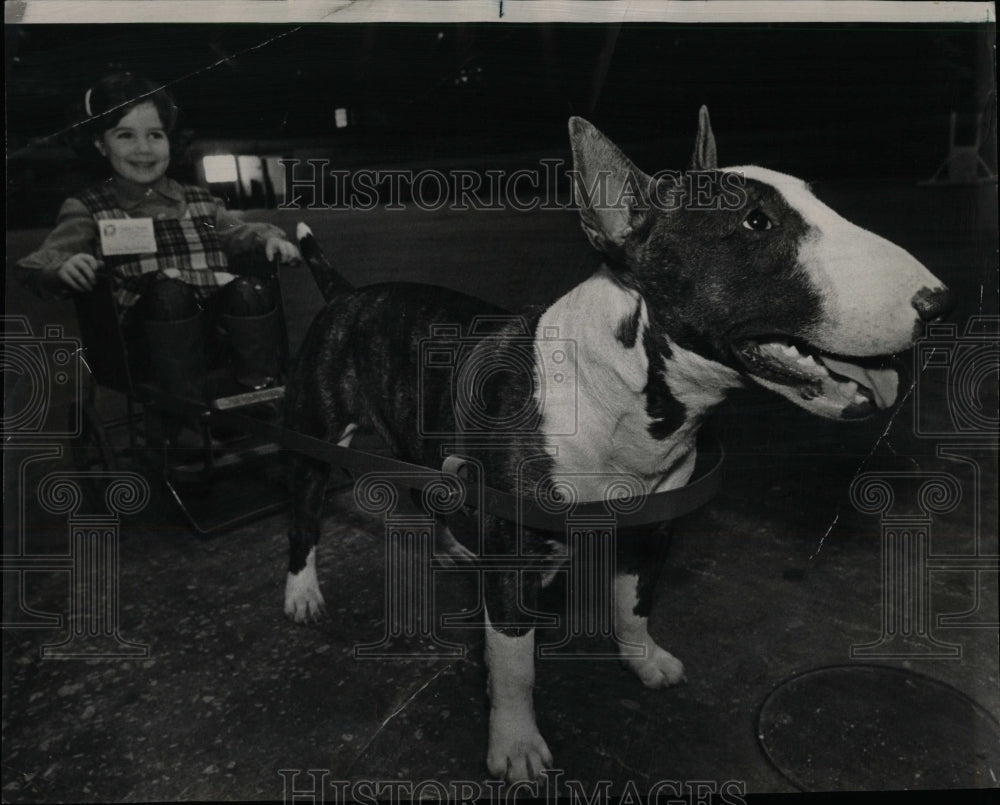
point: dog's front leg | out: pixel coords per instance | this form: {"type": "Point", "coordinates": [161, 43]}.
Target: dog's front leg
{"type": "Point", "coordinates": [516, 749]}
{"type": "Point", "coordinates": [656, 668]}
{"type": "Point", "coordinates": [641, 556]}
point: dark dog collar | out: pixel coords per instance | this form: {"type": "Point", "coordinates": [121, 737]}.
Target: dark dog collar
{"type": "Point", "coordinates": [627, 512]}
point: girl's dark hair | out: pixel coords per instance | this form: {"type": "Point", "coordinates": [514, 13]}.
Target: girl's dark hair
{"type": "Point", "coordinates": [112, 97]}
{"type": "Point", "coordinates": [108, 100]}
{"type": "Point", "coordinates": [115, 95]}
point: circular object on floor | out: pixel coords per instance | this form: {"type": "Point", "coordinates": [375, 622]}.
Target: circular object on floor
{"type": "Point", "coordinates": [870, 727]}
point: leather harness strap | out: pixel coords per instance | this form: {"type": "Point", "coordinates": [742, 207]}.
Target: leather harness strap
{"type": "Point", "coordinates": [627, 512]}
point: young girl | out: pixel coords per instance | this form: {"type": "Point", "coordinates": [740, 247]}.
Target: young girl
{"type": "Point", "coordinates": [169, 266]}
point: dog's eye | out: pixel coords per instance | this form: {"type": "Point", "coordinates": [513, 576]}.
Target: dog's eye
{"type": "Point", "coordinates": [757, 221]}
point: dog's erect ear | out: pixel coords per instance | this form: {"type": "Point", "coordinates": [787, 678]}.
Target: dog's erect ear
{"type": "Point", "coordinates": [611, 193]}
{"type": "Point", "coordinates": [705, 157]}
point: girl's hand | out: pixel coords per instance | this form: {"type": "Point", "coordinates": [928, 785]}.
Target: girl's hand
{"type": "Point", "coordinates": [285, 250]}
{"type": "Point", "coordinates": [77, 272]}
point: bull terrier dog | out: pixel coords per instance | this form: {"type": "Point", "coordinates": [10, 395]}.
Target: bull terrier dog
{"type": "Point", "coordinates": [712, 278]}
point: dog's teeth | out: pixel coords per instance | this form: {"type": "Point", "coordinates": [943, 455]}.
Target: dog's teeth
{"type": "Point", "coordinates": [806, 360]}
{"type": "Point", "coordinates": [860, 398]}
{"type": "Point", "coordinates": [788, 349]}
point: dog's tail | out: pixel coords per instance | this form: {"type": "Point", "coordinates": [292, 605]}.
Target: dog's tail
{"type": "Point", "coordinates": [330, 282]}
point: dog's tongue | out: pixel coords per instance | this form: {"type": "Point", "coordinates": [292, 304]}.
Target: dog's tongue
{"type": "Point", "coordinates": [884, 383]}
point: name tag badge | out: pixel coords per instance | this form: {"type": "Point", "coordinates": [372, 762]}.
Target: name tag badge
{"type": "Point", "coordinates": [127, 236]}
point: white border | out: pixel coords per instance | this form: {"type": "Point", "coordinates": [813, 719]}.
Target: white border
{"type": "Point", "coordinates": [519, 11]}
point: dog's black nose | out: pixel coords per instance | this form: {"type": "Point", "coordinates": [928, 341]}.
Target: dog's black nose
{"type": "Point", "coordinates": [931, 305]}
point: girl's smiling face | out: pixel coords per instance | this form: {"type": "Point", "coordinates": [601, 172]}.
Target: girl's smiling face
{"type": "Point", "coordinates": [137, 146]}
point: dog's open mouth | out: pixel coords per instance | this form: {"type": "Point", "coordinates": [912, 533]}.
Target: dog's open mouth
{"type": "Point", "coordinates": [862, 383]}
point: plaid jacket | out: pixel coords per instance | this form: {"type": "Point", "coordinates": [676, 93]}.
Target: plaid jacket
{"type": "Point", "coordinates": [189, 245]}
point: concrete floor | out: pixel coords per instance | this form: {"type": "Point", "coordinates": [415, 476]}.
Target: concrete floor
{"type": "Point", "coordinates": [777, 577]}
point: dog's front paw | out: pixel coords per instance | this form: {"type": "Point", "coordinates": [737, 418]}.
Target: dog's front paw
{"type": "Point", "coordinates": [658, 669]}
{"type": "Point", "coordinates": [517, 750]}
{"type": "Point", "coordinates": [303, 600]}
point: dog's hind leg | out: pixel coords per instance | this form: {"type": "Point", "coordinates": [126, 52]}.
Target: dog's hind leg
{"type": "Point", "coordinates": [303, 599]}
{"type": "Point", "coordinates": [640, 561]}
{"type": "Point", "coordinates": [309, 478]}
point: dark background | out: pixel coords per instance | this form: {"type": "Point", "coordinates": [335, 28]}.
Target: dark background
{"type": "Point", "coordinates": [818, 101]}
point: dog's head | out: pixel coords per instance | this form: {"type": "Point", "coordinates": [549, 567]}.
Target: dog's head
{"type": "Point", "coordinates": [746, 267]}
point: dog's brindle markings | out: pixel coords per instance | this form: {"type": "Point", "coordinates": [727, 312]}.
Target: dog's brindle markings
{"type": "Point", "coordinates": [689, 304]}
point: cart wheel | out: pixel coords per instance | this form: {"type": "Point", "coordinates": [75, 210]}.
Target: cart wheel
{"type": "Point", "coordinates": [92, 451]}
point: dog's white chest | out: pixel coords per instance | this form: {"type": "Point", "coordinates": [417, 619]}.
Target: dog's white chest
{"type": "Point", "coordinates": [593, 407]}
